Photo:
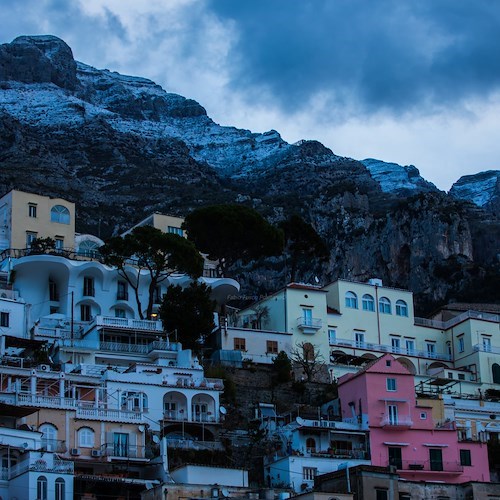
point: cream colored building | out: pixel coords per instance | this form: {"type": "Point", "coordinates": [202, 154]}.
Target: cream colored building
{"type": "Point", "coordinates": [166, 223]}
{"type": "Point", "coordinates": [27, 216]}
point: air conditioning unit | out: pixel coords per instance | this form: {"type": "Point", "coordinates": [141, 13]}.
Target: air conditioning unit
{"type": "Point", "coordinates": [74, 452]}
{"type": "Point", "coordinates": [95, 453]}
{"type": "Point", "coordinates": [44, 368]}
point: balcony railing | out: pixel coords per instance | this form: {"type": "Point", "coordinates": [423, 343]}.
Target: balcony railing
{"type": "Point", "coordinates": [350, 454]}
{"type": "Point", "coordinates": [181, 416]}
{"type": "Point", "coordinates": [369, 346]}
{"type": "Point", "coordinates": [31, 399]}
{"type": "Point", "coordinates": [128, 323]}
{"type": "Point", "coordinates": [110, 415]}
{"type": "Point", "coordinates": [427, 466]}
{"type": "Point", "coordinates": [56, 465]}
{"type": "Point", "coordinates": [309, 323]}
{"type": "Point", "coordinates": [55, 445]}
{"type": "Point", "coordinates": [445, 325]}
{"type": "Point", "coordinates": [119, 450]}
{"type": "Point", "coordinates": [192, 444]}
{"type": "Point", "coordinates": [486, 348]}
{"type": "Point", "coordinates": [400, 421]}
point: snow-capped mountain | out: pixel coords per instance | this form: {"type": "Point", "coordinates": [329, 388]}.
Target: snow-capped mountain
{"type": "Point", "coordinates": [483, 188]}
{"type": "Point", "coordinates": [121, 147]}
{"type": "Point", "coordinates": [394, 178]}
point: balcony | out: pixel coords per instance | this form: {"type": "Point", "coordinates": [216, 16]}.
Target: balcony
{"type": "Point", "coordinates": [392, 422]}
{"type": "Point", "coordinates": [123, 451]}
{"type": "Point", "coordinates": [128, 323]}
{"type": "Point", "coordinates": [193, 444]}
{"type": "Point", "coordinates": [368, 346]}
{"type": "Point", "coordinates": [109, 415]}
{"type": "Point", "coordinates": [181, 416]}
{"type": "Point", "coordinates": [486, 348]}
{"type": "Point", "coordinates": [31, 399]}
{"type": "Point", "coordinates": [55, 445]}
{"type": "Point", "coordinates": [55, 465]}
{"type": "Point", "coordinates": [309, 325]}
{"type": "Point", "coordinates": [427, 466]}
{"type": "Point", "coordinates": [445, 325]}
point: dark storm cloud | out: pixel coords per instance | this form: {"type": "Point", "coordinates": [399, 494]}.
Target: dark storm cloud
{"type": "Point", "coordinates": [386, 55]}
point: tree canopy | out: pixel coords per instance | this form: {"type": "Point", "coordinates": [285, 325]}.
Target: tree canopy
{"type": "Point", "coordinates": [158, 253]}
{"type": "Point", "coordinates": [189, 311]}
{"type": "Point", "coordinates": [302, 243]}
{"type": "Point", "coordinates": [227, 233]}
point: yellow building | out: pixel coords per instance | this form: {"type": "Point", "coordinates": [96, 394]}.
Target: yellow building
{"type": "Point", "coordinates": [166, 223]}
{"type": "Point", "coordinates": [27, 216]}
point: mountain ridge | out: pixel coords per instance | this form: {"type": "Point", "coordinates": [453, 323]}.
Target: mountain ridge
{"type": "Point", "coordinates": [106, 140]}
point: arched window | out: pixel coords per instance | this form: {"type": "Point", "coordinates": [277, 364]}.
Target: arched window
{"type": "Point", "coordinates": [41, 488]}
{"type": "Point", "coordinates": [59, 214]}
{"type": "Point", "coordinates": [311, 445]}
{"type": "Point", "coordinates": [86, 437]}
{"type": "Point", "coordinates": [384, 305]}
{"type": "Point", "coordinates": [308, 351]}
{"type": "Point", "coordinates": [49, 438]}
{"type": "Point", "coordinates": [60, 489]}
{"type": "Point", "coordinates": [495, 371]}
{"type": "Point", "coordinates": [351, 300]}
{"type": "Point", "coordinates": [368, 302]}
{"type": "Point", "coordinates": [401, 308]}
{"type": "Point", "coordinates": [88, 248]}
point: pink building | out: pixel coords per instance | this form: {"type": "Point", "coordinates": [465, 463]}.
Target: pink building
{"type": "Point", "coordinates": [381, 398]}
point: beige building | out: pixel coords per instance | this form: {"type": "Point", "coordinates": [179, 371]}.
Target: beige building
{"type": "Point", "coordinates": [27, 216]}
{"type": "Point", "coordinates": [166, 223]}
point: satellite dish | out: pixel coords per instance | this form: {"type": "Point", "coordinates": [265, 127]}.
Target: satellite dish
{"type": "Point", "coordinates": [224, 492]}
{"type": "Point", "coordinates": [156, 439]}
{"type": "Point", "coordinates": [300, 420]}
{"type": "Point", "coordinates": [141, 428]}
{"type": "Point", "coordinates": [222, 410]}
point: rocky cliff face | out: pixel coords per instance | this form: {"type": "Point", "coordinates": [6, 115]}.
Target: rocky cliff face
{"type": "Point", "coordinates": [483, 189]}
{"type": "Point", "coordinates": [121, 147]}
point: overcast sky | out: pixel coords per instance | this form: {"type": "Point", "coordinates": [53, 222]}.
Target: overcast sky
{"type": "Point", "coordinates": [403, 81]}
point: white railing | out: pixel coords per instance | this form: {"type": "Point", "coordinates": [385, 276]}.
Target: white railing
{"type": "Point", "coordinates": [368, 346]}
{"type": "Point", "coordinates": [445, 325]}
{"type": "Point", "coordinates": [398, 421]}
{"type": "Point", "coordinates": [194, 445]}
{"type": "Point", "coordinates": [109, 415]}
{"type": "Point", "coordinates": [40, 465]}
{"type": "Point", "coordinates": [129, 323]}
{"type": "Point", "coordinates": [486, 348]}
{"type": "Point", "coordinates": [305, 323]}
{"type": "Point", "coordinates": [45, 401]}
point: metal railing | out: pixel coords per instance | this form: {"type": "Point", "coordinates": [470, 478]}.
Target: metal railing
{"type": "Point", "coordinates": [192, 444]}
{"type": "Point", "coordinates": [55, 445]}
{"type": "Point", "coordinates": [399, 421]}
{"type": "Point", "coordinates": [445, 325]}
{"type": "Point", "coordinates": [313, 323]}
{"type": "Point", "coordinates": [128, 323]}
{"type": "Point", "coordinates": [369, 346]}
{"type": "Point", "coordinates": [40, 465]}
{"type": "Point", "coordinates": [426, 465]}
{"type": "Point", "coordinates": [486, 348]}
{"type": "Point", "coordinates": [119, 450]}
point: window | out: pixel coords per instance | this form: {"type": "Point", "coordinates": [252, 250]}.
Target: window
{"type": "Point", "coordinates": [393, 414]}
{"type": "Point", "coordinates": [401, 308]}
{"type": "Point", "coordinates": [59, 243]}
{"type": "Point", "coordinates": [495, 372]}
{"type": "Point", "coordinates": [461, 376]}
{"type": "Point", "coordinates": [384, 305]}
{"type": "Point", "coordinates": [120, 444]}
{"type": "Point", "coordinates": [368, 303]}
{"type": "Point", "coordinates": [395, 457]}
{"type": "Point", "coordinates": [59, 214]}
{"type": "Point", "coordinates": [86, 437]}
{"type": "Point", "coordinates": [359, 338]}
{"type": "Point", "coordinates": [307, 317]}
{"type": "Point", "coordinates": [380, 494]}
{"type": "Point", "coordinates": [122, 290]}
{"type": "Point", "coordinates": [431, 350]}
{"type": "Point", "coordinates": [311, 445]}
{"type": "Point", "coordinates": [88, 248]}
{"type": "Point", "coordinates": [423, 416]}
{"type": "Point", "coordinates": [239, 344]}
{"type": "Point", "coordinates": [4, 319]}
{"type": "Point", "coordinates": [41, 488]}
{"type": "Point", "coordinates": [487, 344]}
{"type": "Point", "coordinates": [53, 291]}
{"type": "Point", "coordinates": [410, 346]}
{"type": "Point", "coordinates": [436, 459]}
{"type": "Point", "coordinates": [308, 351]}
{"type": "Point", "coordinates": [272, 346]}
{"type": "Point", "coordinates": [332, 336]}
{"type": "Point", "coordinates": [88, 286]}
{"type": "Point", "coordinates": [391, 384]}
{"type": "Point", "coordinates": [32, 210]}
{"type": "Point", "coordinates": [351, 300]}
{"type": "Point", "coordinates": [461, 344]}
{"type": "Point", "coordinates": [49, 438]}
{"type": "Point", "coordinates": [60, 489]}
{"type": "Point", "coordinates": [85, 312]}
{"type": "Point", "coordinates": [175, 230]}
{"type": "Point", "coordinates": [30, 238]}
{"type": "Point", "coordinates": [309, 473]}
{"type": "Point", "coordinates": [396, 344]}
{"type": "Point", "coordinates": [465, 458]}
{"type": "Point", "coordinates": [120, 313]}
{"type": "Point", "coordinates": [450, 374]}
